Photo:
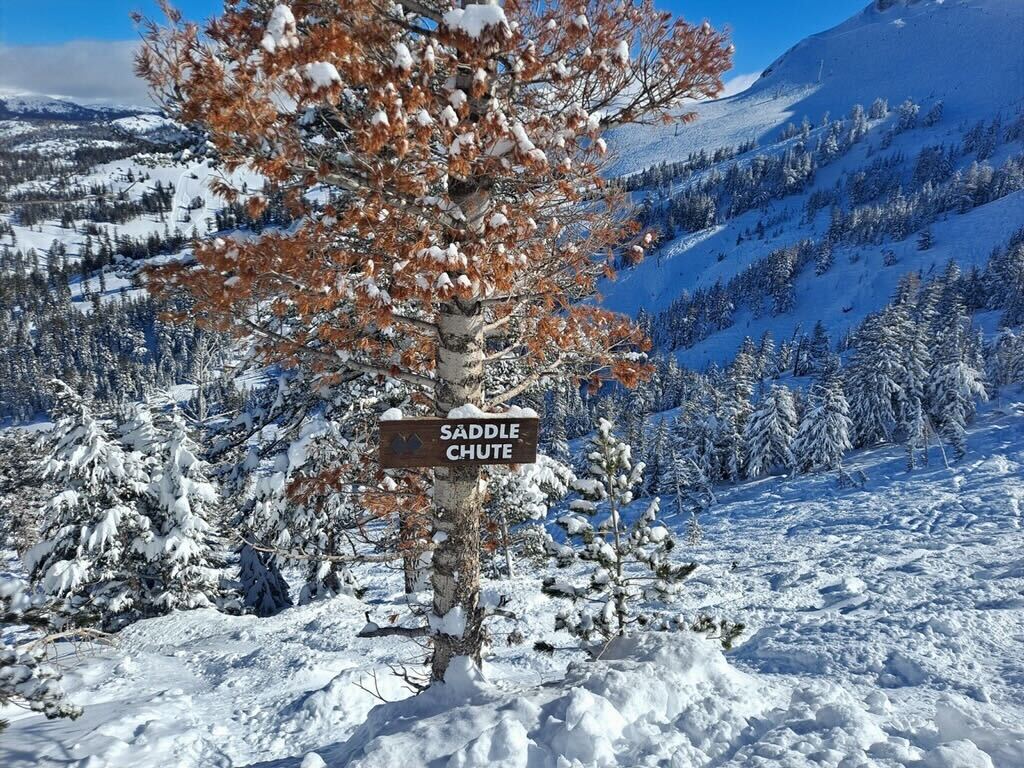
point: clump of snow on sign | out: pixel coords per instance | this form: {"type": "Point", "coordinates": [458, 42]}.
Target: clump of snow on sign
{"type": "Point", "coordinates": [469, 411]}
{"type": "Point", "coordinates": [474, 19]}
{"type": "Point", "coordinates": [281, 31]}
{"type": "Point", "coordinates": [391, 414]}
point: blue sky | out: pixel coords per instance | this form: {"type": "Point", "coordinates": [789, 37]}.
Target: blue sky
{"type": "Point", "coordinates": [68, 33]}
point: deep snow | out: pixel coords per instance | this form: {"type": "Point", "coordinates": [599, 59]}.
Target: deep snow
{"type": "Point", "coordinates": [885, 627]}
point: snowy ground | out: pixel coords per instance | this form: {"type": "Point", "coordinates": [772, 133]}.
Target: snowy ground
{"type": "Point", "coordinates": [885, 628]}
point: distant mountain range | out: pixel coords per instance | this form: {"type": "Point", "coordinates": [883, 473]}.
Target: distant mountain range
{"type": "Point", "coordinates": [32, 106]}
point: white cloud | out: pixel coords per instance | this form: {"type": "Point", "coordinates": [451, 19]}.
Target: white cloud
{"type": "Point", "coordinates": [83, 70]}
{"type": "Point", "coordinates": [739, 83]}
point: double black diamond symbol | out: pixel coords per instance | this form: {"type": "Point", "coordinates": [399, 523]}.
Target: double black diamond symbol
{"type": "Point", "coordinates": [406, 446]}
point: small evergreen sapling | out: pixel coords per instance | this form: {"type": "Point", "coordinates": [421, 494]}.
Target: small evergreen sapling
{"type": "Point", "coordinates": [264, 589]}
{"type": "Point", "coordinates": [631, 562]}
{"type": "Point", "coordinates": [694, 494]}
{"type": "Point", "coordinates": [27, 678]}
{"type": "Point", "coordinates": [519, 497]}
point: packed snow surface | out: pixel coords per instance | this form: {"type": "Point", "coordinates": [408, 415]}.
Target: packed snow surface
{"type": "Point", "coordinates": [885, 627]}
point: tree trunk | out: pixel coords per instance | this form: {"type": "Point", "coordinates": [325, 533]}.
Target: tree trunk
{"type": "Point", "coordinates": [458, 494]}
{"type": "Point", "coordinates": [407, 541]}
{"type": "Point", "coordinates": [459, 491]}
{"type": "Point", "coordinates": [506, 543]}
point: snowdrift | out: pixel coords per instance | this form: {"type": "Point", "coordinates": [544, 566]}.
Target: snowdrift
{"type": "Point", "coordinates": [659, 699]}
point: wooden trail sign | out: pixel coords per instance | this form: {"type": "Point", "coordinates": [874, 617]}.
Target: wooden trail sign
{"type": "Point", "coordinates": [448, 442]}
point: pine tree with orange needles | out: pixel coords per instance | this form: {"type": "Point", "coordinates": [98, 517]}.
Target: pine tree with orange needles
{"type": "Point", "coordinates": [466, 222]}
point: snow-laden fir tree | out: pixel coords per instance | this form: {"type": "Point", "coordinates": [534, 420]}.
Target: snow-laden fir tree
{"type": "Point", "coordinates": [824, 433]}
{"type": "Point", "coordinates": [558, 438]}
{"type": "Point", "coordinates": [264, 590]}
{"type": "Point", "coordinates": [318, 516]}
{"type": "Point", "coordinates": [630, 562]}
{"type": "Point", "coordinates": [874, 381]}
{"type": "Point", "coordinates": [694, 493]}
{"type": "Point", "coordinates": [139, 433]}
{"type": "Point", "coordinates": [1006, 359]}
{"type": "Point", "coordinates": [86, 554]}
{"type": "Point", "coordinates": [28, 679]}
{"type": "Point", "coordinates": [519, 498]}
{"type": "Point", "coordinates": [953, 385]}
{"type": "Point", "coordinates": [298, 510]}
{"type": "Point", "coordinates": [658, 473]}
{"type": "Point", "coordinates": [178, 539]}
{"type": "Point", "coordinates": [913, 427]}
{"type": "Point", "coordinates": [770, 433]}
{"type": "Point", "coordinates": [734, 414]}
{"type": "Point", "coordinates": [696, 442]}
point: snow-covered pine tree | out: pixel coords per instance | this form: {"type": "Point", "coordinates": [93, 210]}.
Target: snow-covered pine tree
{"type": "Point", "coordinates": [23, 490]}
{"type": "Point", "coordinates": [629, 561]}
{"type": "Point", "coordinates": [907, 113]}
{"type": "Point", "coordinates": [263, 588]}
{"type": "Point", "coordinates": [821, 348]}
{"type": "Point", "coordinates": [178, 540]}
{"type": "Point", "coordinates": [27, 677]}
{"type": "Point", "coordinates": [770, 433]}
{"type": "Point", "coordinates": [874, 380]}
{"type": "Point", "coordinates": [558, 438]}
{"type": "Point", "coordinates": [824, 434]}
{"type": "Point", "coordinates": [694, 494]}
{"type": "Point", "coordinates": [139, 433]}
{"type": "Point", "coordinates": [634, 426]}
{"type": "Point", "coordinates": [696, 441]}
{"type": "Point", "coordinates": [1006, 359]}
{"type": "Point", "coordinates": [734, 413]}
{"type": "Point", "coordinates": [953, 385]}
{"type": "Point", "coordinates": [319, 518]}
{"type": "Point", "coordinates": [766, 365]}
{"type": "Point", "coordinates": [913, 427]}
{"type": "Point", "coordinates": [659, 466]}
{"type": "Point", "coordinates": [520, 496]}
{"type": "Point", "coordinates": [454, 146]}
{"type": "Point", "coordinates": [925, 240]}
{"type": "Point", "coordinates": [86, 554]}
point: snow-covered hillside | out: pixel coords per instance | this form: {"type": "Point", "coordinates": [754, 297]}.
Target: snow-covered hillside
{"type": "Point", "coordinates": [885, 626]}
{"type": "Point", "coordinates": [962, 54]}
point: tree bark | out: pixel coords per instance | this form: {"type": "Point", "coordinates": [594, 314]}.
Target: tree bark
{"type": "Point", "coordinates": [506, 542]}
{"type": "Point", "coordinates": [458, 491]}
{"type": "Point", "coordinates": [407, 535]}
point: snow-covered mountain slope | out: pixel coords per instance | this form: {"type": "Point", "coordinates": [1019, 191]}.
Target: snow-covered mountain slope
{"type": "Point", "coordinates": [885, 627]}
{"type": "Point", "coordinates": [964, 54]}
{"type": "Point", "coordinates": [967, 53]}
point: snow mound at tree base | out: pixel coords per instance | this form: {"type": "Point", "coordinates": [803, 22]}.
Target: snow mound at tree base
{"type": "Point", "coordinates": [655, 699]}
